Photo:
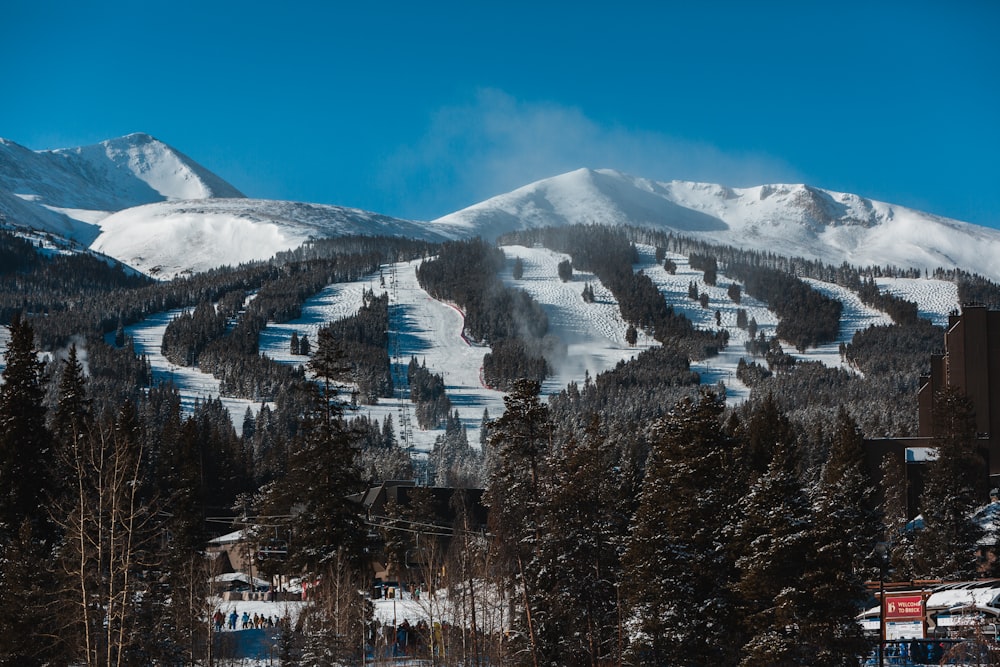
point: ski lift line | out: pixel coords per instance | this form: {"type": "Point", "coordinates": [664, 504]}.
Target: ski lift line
{"type": "Point", "coordinates": [411, 522]}
{"type": "Point", "coordinates": [451, 531]}
{"type": "Point", "coordinates": [428, 532]}
{"type": "Point", "coordinates": [247, 519]}
{"type": "Point", "coordinates": [409, 530]}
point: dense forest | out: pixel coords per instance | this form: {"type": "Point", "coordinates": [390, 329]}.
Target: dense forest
{"type": "Point", "coordinates": [627, 513]}
{"type": "Point", "coordinates": [508, 320]}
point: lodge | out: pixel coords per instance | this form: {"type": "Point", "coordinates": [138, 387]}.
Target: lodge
{"type": "Point", "coordinates": [971, 364]}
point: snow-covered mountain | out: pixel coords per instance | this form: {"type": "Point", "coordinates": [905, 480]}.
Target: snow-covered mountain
{"type": "Point", "coordinates": [69, 191]}
{"type": "Point", "coordinates": [168, 239]}
{"type": "Point", "coordinates": [794, 220]}
{"type": "Point", "coordinates": [148, 205]}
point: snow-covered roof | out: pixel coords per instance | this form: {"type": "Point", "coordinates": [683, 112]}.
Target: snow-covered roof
{"type": "Point", "coordinates": [980, 594]}
{"type": "Point", "coordinates": [228, 538]}
{"type": "Point", "coordinates": [959, 596]}
{"type": "Point", "coordinates": [239, 576]}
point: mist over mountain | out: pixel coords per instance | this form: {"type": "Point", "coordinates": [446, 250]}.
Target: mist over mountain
{"type": "Point", "coordinates": [792, 220]}
{"type": "Point", "coordinates": [148, 205]}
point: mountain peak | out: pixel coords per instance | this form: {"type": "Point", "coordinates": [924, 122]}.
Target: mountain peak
{"type": "Point", "coordinates": [69, 190]}
{"type": "Point", "coordinates": [788, 219]}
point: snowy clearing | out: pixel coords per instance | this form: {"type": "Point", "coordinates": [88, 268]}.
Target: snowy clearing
{"type": "Point", "coordinates": [934, 298]}
{"type": "Point", "coordinates": [192, 384]}
{"type": "Point", "coordinates": [594, 334]}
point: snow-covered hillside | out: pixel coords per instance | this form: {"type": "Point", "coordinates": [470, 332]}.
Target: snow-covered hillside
{"type": "Point", "coordinates": [135, 193]}
{"type": "Point", "coordinates": [594, 334]}
{"type": "Point", "coordinates": [793, 220]}
{"type": "Point", "coordinates": [168, 239]}
{"type": "Point", "coordinates": [69, 191]}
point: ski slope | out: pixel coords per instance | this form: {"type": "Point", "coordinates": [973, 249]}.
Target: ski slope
{"type": "Point", "coordinates": [420, 327]}
{"type": "Point", "coordinates": [192, 384]}
{"type": "Point", "coordinates": [593, 334]}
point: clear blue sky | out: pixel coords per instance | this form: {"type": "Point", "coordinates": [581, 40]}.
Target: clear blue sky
{"type": "Point", "coordinates": [417, 109]}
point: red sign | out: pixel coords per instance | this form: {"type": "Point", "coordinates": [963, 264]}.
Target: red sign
{"type": "Point", "coordinates": [898, 607]}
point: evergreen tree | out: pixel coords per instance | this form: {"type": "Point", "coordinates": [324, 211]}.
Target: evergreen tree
{"type": "Point", "coordinates": [322, 473]}
{"type": "Point", "coordinates": [677, 565]}
{"type": "Point", "coordinates": [565, 270]}
{"type": "Point", "coordinates": [772, 540]}
{"type": "Point", "coordinates": [845, 531]}
{"type": "Point", "coordinates": [631, 335]}
{"type": "Point", "coordinates": [27, 534]}
{"type": "Point", "coordinates": [946, 546]}
{"type": "Point", "coordinates": [72, 424]}
{"type": "Point", "coordinates": [451, 457]}
{"type": "Point", "coordinates": [577, 563]}
{"type": "Point", "coordinates": [760, 433]}
{"type": "Point", "coordinates": [519, 441]}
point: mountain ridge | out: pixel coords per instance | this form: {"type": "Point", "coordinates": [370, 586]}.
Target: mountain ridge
{"type": "Point", "coordinates": [787, 219]}
{"type": "Point", "coordinates": [148, 205]}
{"type": "Point", "coordinates": [68, 191]}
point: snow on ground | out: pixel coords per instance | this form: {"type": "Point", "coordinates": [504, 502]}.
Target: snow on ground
{"type": "Point", "coordinates": [935, 299]}
{"type": "Point", "coordinates": [674, 288]}
{"type": "Point", "coordinates": [420, 326]}
{"type": "Point", "coordinates": [334, 302]}
{"type": "Point", "coordinates": [854, 317]}
{"type": "Point", "coordinates": [192, 384]}
{"type": "Point", "coordinates": [594, 333]}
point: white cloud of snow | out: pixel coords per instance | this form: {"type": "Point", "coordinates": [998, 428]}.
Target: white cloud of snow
{"type": "Point", "coordinates": [496, 143]}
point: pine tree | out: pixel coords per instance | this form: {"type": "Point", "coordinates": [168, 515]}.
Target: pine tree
{"type": "Point", "coordinates": [631, 335]}
{"type": "Point", "coordinates": [772, 540]}
{"type": "Point", "coordinates": [518, 271]}
{"type": "Point", "coordinates": [946, 546]}
{"type": "Point", "coordinates": [577, 564]}
{"type": "Point", "coordinates": [322, 473]}
{"type": "Point", "coordinates": [27, 534]}
{"type": "Point", "coordinates": [763, 430]}
{"type": "Point", "coordinates": [519, 441]}
{"type": "Point", "coordinates": [677, 566]}
{"type": "Point", "coordinates": [845, 531]}
{"type": "Point", "coordinates": [565, 270]}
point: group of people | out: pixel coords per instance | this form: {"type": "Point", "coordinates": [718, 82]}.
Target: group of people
{"type": "Point", "coordinates": [247, 622]}
{"type": "Point", "coordinates": [413, 640]}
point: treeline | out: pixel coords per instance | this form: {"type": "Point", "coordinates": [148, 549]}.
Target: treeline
{"type": "Point", "coordinates": [363, 340]}
{"type": "Point", "coordinates": [610, 255]}
{"type": "Point", "coordinates": [715, 513]}
{"type": "Point", "coordinates": [807, 318]}
{"type": "Point", "coordinates": [428, 393]}
{"type": "Point", "coordinates": [972, 289]}
{"type": "Point", "coordinates": [508, 320]}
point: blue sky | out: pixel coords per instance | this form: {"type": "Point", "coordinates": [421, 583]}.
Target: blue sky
{"type": "Point", "coordinates": [419, 109]}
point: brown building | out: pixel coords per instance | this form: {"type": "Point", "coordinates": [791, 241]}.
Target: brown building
{"type": "Point", "coordinates": [971, 364]}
